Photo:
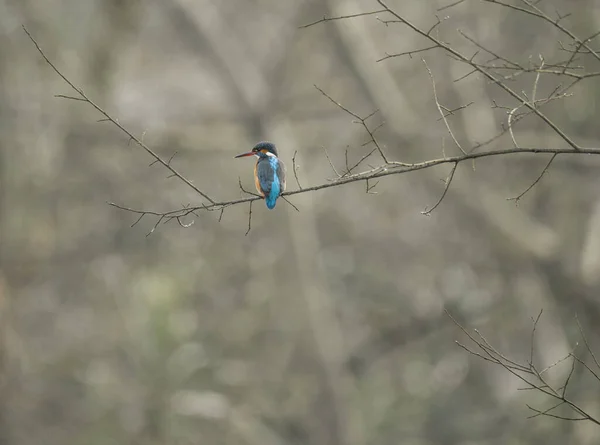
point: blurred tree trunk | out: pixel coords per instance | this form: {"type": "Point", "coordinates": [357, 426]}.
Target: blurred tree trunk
{"type": "Point", "coordinates": [4, 303]}
{"type": "Point", "coordinates": [5, 118]}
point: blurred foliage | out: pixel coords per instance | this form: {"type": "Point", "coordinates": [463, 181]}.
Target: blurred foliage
{"type": "Point", "coordinates": [325, 326]}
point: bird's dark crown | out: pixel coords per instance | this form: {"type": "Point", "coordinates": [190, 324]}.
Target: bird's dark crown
{"type": "Point", "coordinates": [265, 146]}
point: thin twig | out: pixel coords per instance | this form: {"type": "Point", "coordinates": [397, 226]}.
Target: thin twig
{"type": "Point", "coordinates": [386, 169]}
{"type": "Point", "coordinates": [439, 107]}
{"type": "Point", "coordinates": [587, 345]}
{"type": "Point", "coordinates": [342, 17]}
{"type": "Point", "coordinates": [331, 163]}
{"type": "Point", "coordinates": [427, 212]}
{"type": "Point", "coordinates": [406, 53]}
{"type": "Point", "coordinates": [537, 382]}
{"type": "Point", "coordinates": [469, 61]}
{"type": "Point", "coordinates": [361, 120]}
{"type": "Point", "coordinates": [115, 122]}
{"type": "Point", "coordinates": [290, 203]}
{"type": "Point", "coordinates": [517, 198]}
{"type": "Point", "coordinates": [249, 219]}
{"type": "Point", "coordinates": [457, 2]}
{"type": "Point", "coordinates": [247, 191]}
{"type": "Point", "coordinates": [295, 167]}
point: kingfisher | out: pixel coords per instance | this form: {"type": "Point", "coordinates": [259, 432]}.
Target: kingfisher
{"type": "Point", "coordinates": [269, 172]}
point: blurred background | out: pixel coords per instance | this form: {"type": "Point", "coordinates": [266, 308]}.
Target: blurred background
{"type": "Point", "coordinates": [324, 326]}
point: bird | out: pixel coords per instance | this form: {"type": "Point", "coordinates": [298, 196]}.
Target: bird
{"type": "Point", "coordinates": [269, 172]}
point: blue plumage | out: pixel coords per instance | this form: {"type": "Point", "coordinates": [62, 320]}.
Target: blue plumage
{"type": "Point", "coordinates": [271, 198]}
{"type": "Point", "coordinates": [270, 175]}
{"type": "Point", "coordinates": [269, 172]}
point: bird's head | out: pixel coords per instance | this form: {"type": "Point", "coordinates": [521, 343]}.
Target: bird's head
{"type": "Point", "coordinates": [262, 149]}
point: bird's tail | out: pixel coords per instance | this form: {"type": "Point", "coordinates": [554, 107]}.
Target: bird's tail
{"type": "Point", "coordinates": [271, 201]}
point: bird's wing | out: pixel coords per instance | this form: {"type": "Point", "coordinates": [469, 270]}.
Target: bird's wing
{"type": "Point", "coordinates": [281, 174]}
{"type": "Point", "coordinates": [257, 181]}
{"type": "Point", "coordinates": [264, 176]}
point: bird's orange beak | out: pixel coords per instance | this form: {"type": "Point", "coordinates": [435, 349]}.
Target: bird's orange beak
{"type": "Point", "coordinates": [250, 153]}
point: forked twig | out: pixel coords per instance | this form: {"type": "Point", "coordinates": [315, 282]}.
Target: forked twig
{"type": "Point", "coordinates": [427, 212]}
{"type": "Point", "coordinates": [531, 376]}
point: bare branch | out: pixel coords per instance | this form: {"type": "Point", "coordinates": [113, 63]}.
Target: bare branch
{"type": "Point", "coordinates": [247, 191]}
{"type": "Point", "coordinates": [517, 198]}
{"type": "Point", "coordinates": [331, 163]}
{"type": "Point", "coordinates": [63, 96]}
{"type": "Point", "coordinates": [406, 53]}
{"type": "Point", "coordinates": [290, 203]}
{"type": "Point", "coordinates": [548, 414]}
{"type": "Point", "coordinates": [530, 375]}
{"type": "Point", "coordinates": [587, 345]}
{"type": "Point", "coordinates": [447, 183]}
{"type": "Point", "coordinates": [249, 218]}
{"type": "Point", "coordinates": [457, 2]}
{"type": "Point", "coordinates": [115, 122]}
{"type": "Point", "coordinates": [535, 322]}
{"type": "Point", "coordinates": [537, 12]}
{"type": "Point", "coordinates": [295, 167]}
{"type": "Point", "coordinates": [370, 187]}
{"type": "Point", "coordinates": [469, 61]}
{"type": "Point", "coordinates": [361, 120]}
{"type": "Point", "coordinates": [439, 107]}
{"type": "Point", "coordinates": [500, 75]}
{"type": "Point", "coordinates": [351, 16]}
{"type": "Point", "coordinates": [374, 173]}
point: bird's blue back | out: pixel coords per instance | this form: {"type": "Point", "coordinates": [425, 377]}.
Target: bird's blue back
{"type": "Point", "coordinates": [270, 172]}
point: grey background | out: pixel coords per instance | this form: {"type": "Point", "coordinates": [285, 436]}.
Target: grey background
{"type": "Point", "coordinates": [325, 326]}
